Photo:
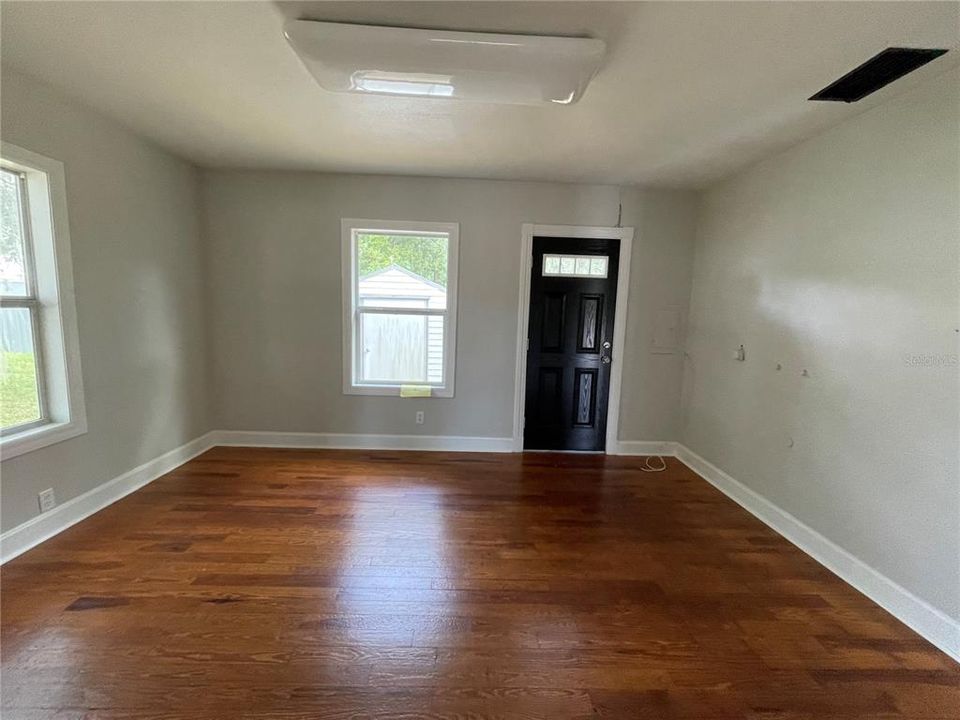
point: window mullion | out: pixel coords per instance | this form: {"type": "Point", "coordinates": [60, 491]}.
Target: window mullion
{"type": "Point", "coordinates": [22, 302]}
{"type": "Point", "coordinates": [378, 310]}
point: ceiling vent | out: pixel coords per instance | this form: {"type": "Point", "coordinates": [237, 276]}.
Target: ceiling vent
{"type": "Point", "coordinates": [880, 70]}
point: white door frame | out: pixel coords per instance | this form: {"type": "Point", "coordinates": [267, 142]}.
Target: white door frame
{"type": "Point", "coordinates": [625, 236]}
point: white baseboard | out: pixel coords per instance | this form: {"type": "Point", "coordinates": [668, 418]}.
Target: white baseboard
{"type": "Point", "coordinates": [344, 441]}
{"type": "Point", "coordinates": [18, 540]}
{"type": "Point", "coordinates": [665, 448]}
{"type": "Point", "coordinates": [933, 624]}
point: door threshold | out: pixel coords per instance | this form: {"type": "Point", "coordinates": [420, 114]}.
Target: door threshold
{"type": "Point", "coordinates": [566, 452]}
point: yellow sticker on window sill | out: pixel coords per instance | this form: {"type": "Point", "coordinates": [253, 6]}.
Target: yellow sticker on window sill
{"type": "Point", "coordinates": [415, 391]}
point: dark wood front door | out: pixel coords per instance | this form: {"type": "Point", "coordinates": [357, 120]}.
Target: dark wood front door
{"type": "Point", "coordinates": [573, 293]}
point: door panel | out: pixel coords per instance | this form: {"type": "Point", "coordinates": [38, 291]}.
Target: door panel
{"type": "Point", "coordinates": [554, 318]}
{"type": "Point", "coordinates": [550, 390]}
{"type": "Point", "coordinates": [591, 316]}
{"type": "Point", "coordinates": [585, 382]}
{"type": "Point", "coordinates": [570, 338]}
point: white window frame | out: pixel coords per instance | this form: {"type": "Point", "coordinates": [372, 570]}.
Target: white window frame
{"type": "Point", "coordinates": [349, 228]}
{"type": "Point", "coordinates": [60, 377]}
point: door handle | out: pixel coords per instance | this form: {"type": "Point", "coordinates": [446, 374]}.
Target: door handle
{"type": "Point", "coordinates": [605, 353]}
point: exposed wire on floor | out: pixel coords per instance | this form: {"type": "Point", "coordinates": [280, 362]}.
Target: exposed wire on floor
{"type": "Point", "coordinates": [647, 467]}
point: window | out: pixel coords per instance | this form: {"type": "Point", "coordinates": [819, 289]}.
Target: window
{"type": "Point", "coordinates": [400, 307]}
{"type": "Point", "coordinates": [575, 266]}
{"type": "Point", "coordinates": [41, 401]}
{"type": "Point", "coordinates": [21, 390]}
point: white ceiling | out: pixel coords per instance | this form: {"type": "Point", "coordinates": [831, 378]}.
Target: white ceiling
{"type": "Point", "coordinates": [688, 93]}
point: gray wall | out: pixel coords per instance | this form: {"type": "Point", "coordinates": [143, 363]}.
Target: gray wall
{"type": "Point", "coordinates": [660, 278]}
{"type": "Point", "coordinates": [274, 297]}
{"type": "Point", "coordinates": [134, 231]}
{"type": "Point", "coordinates": [841, 256]}
{"type": "Point", "coordinates": [267, 280]}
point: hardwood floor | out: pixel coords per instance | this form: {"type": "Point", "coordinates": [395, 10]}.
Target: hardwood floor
{"type": "Point", "coordinates": [330, 585]}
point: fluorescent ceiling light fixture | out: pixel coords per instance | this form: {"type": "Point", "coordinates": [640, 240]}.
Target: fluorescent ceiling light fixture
{"type": "Point", "coordinates": [408, 62]}
{"type": "Point", "coordinates": [387, 83]}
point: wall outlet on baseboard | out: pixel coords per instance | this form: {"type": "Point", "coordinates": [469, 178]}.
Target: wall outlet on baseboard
{"type": "Point", "coordinates": [419, 417]}
{"type": "Point", "coordinates": [48, 501]}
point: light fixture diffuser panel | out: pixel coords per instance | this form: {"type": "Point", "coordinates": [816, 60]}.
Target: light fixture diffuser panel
{"type": "Point", "coordinates": [408, 62]}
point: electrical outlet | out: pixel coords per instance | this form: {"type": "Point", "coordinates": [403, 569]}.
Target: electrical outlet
{"type": "Point", "coordinates": [419, 417]}
{"type": "Point", "coordinates": [48, 501]}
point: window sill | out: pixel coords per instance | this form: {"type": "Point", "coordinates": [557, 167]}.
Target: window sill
{"type": "Point", "coordinates": [39, 437]}
{"type": "Point", "coordinates": [394, 391]}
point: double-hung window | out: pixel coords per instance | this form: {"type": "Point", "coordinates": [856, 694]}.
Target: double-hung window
{"type": "Point", "coordinates": [41, 399]}
{"type": "Point", "coordinates": [400, 307]}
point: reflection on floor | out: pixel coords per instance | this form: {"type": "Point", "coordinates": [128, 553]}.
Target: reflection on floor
{"type": "Point", "coordinates": [338, 584]}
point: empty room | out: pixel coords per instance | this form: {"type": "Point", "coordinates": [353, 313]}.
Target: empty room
{"type": "Point", "coordinates": [479, 360]}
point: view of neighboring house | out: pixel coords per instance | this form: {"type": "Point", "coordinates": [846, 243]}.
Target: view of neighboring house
{"type": "Point", "coordinates": [401, 346]}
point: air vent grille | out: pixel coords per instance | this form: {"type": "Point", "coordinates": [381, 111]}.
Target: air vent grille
{"type": "Point", "coordinates": [880, 70]}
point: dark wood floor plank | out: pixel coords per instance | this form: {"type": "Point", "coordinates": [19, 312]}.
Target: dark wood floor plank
{"type": "Point", "coordinates": [287, 584]}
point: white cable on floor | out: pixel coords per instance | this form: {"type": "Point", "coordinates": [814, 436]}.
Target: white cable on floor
{"type": "Point", "coordinates": [647, 467]}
